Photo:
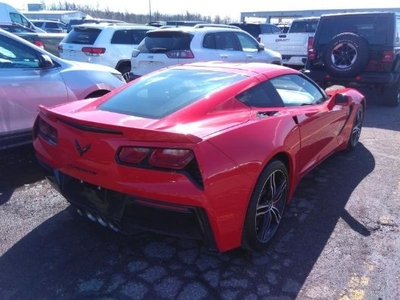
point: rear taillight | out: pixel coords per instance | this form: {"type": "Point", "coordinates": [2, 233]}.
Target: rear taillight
{"type": "Point", "coordinates": [259, 39]}
{"type": "Point", "coordinates": [46, 131]}
{"type": "Point", "coordinates": [311, 54]}
{"type": "Point", "coordinates": [310, 42]}
{"type": "Point", "coordinates": [60, 48]}
{"type": "Point", "coordinates": [388, 56]}
{"type": "Point", "coordinates": [160, 158]}
{"type": "Point", "coordinates": [93, 51]}
{"type": "Point", "coordinates": [180, 54]}
{"type": "Point", "coordinates": [39, 43]}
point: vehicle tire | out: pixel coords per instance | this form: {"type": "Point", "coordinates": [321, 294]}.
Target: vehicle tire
{"type": "Point", "coordinates": [356, 129]}
{"type": "Point", "coordinates": [125, 69]}
{"type": "Point", "coordinates": [346, 54]}
{"type": "Point", "coordinates": [266, 207]}
{"type": "Point", "coordinates": [390, 95]}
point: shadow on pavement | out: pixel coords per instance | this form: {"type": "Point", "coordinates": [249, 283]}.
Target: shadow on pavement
{"type": "Point", "coordinates": [68, 257]}
{"type": "Point", "coordinates": [18, 166]}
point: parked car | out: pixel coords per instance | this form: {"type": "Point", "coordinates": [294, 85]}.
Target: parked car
{"type": "Point", "coordinates": [203, 42]}
{"type": "Point", "coordinates": [24, 32]}
{"type": "Point", "coordinates": [211, 151]}
{"type": "Point", "coordinates": [360, 50]}
{"type": "Point", "coordinates": [31, 76]}
{"type": "Point", "coordinates": [255, 29]}
{"type": "Point", "coordinates": [108, 44]}
{"type": "Point", "coordinates": [51, 26]}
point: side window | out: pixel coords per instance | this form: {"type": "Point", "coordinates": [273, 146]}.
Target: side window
{"type": "Point", "coordinates": [226, 41]}
{"type": "Point", "coordinates": [14, 55]}
{"type": "Point", "coordinates": [121, 37]}
{"type": "Point", "coordinates": [262, 95]}
{"type": "Point", "coordinates": [209, 41]}
{"type": "Point", "coordinates": [247, 43]}
{"type": "Point", "coordinates": [397, 31]}
{"type": "Point", "coordinates": [18, 18]}
{"type": "Point", "coordinates": [137, 36]}
{"type": "Point", "coordinates": [296, 90]}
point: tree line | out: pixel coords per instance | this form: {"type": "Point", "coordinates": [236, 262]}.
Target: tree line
{"type": "Point", "coordinates": [95, 12]}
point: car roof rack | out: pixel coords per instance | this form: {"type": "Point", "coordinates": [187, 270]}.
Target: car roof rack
{"type": "Point", "coordinates": [215, 25]}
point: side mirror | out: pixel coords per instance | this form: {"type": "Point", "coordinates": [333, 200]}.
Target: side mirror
{"type": "Point", "coordinates": [261, 47]}
{"type": "Point", "coordinates": [45, 61]}
{"type": "Point", "coordinates": [341, 99]}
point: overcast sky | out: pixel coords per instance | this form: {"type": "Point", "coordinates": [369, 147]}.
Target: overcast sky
{"type": "Point", "coordinates": [223, 8]}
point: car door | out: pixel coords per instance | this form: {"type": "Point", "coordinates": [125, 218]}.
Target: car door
{"type": "Point", "coordinates": [249, 48]}
{"type": "Point", "coordinates": [24, 84]}
{"type": "Point", "coordinates": [320, 121]}
{"type": "Point", "coordinates": [228, 48]}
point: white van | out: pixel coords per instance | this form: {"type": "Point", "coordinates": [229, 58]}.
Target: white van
{"type": "Point", "coordinates": [9, 14]}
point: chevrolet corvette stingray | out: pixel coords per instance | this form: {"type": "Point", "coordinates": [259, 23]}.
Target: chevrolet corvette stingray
{"type": "Point", "coordinates": [211, 151]}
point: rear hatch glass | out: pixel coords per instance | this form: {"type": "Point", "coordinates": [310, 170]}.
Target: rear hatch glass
{"type": "Point", "coordinates": [82, 36]}
{"type": "Point", "coordinates": [165, 41]}
{"type": "Point", "coordinates": [373, 28]}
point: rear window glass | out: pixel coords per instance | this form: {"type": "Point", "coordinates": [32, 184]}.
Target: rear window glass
{"type": "Point", "coordinates": [128, 37]}
{"type": "Point", "coordinates": [163, 93]}
{"type": "Point", "coordinates": [373, 28]}
{"type": "Point", "coordinates": [304, 26]}
{"type": "Point", "coordinates": [164, 41]}
{"type": "Point", "coordinates": [82, 35]}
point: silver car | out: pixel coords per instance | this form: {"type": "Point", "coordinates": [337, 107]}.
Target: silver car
{"type": "Point", "coordinates": [30, 76]}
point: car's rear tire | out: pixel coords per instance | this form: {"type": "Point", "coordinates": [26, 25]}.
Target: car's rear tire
{"type": "Point", "coordinates": [266, 207]}
{"type": "Point", "coordinates": [390, 95]}
{"type": "Point", "coordinates": [346, 54]}
{"type": "Point", "coordinates": [356, 129]}
{"type": "Point", "coordinates": [125, 69]}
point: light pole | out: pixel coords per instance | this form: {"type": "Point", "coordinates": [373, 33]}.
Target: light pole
{"type": "Point", "coordinates": [150, 10]}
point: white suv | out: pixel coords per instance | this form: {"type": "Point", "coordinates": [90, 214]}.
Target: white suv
{"type": "Point", "coordinates": [204, 42]}
{"type": "Point", "coordinates": [109, 44]}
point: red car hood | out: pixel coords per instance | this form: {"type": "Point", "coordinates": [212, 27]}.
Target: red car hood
{"type": "Point", "coordinates": [178, 126]}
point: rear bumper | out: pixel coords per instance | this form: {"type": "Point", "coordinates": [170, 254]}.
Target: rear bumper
{"type": "Point", "coordinates": [367, 78]}
{"type": "Point", "coordinates": [128, 213]}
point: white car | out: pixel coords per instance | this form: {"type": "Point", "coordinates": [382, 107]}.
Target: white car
{"type": "Point", "coordinates": [204, 42]}
{"type": "Point", "coordinates": [108, 44]}
{"type": "Point", "coordinates": [31, 76]}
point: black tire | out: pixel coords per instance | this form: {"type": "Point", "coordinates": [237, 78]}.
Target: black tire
{"type": "Point", "coordinates": [346, 54]}
{"type": "Point", "coordinates": [266, 207]}
{"type": "Point", "coordinates": [125, 69]}
{"type": "Point", "coordinates": [390, 95]}
{"type": "Point", "coordinates": [356, 129]}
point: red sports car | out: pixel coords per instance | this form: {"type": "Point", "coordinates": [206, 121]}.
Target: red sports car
{"type": "Point", "coordinates": [207, 150]}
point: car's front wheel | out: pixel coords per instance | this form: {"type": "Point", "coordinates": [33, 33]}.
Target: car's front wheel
{"type": "Point", "coordinates": [356, 129]}
{"type": "Point", "coordinates": [266, 207]}
{"type": "Point", "coordinates": [391, 95]}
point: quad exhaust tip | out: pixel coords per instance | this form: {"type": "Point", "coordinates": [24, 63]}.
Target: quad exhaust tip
{"type": "Point", "coordinates": [104, 221]}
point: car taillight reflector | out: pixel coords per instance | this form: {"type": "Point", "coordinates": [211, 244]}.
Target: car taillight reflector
{"type": "Point", "coordinates": [93, 51]}
{"type": "Point", "coordinates": [133, 155]}
{"type": "Point", "coordinates": [171, 158]}
{"type": "Point", "coordinates": [39, 44]}
{"type": "Point", "coordinates": [180, 54]}
{"type": "Point", "coordinates": [388, 56]}
{"type": "Point", "coordinates": [160, 158]}
{"type": "Point", "coordinates": [48, 132]}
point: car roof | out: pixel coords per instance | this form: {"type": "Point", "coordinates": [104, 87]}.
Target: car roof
{"type": "Point", "coordinates": [113, 25]}
{"type": "Point", "coordinates": [200, 28]}
{"type": "Point", "coordinates": [237, 67]}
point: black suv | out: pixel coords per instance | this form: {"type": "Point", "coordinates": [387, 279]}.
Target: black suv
{"type": "Point", "coordinates": [360, 50]}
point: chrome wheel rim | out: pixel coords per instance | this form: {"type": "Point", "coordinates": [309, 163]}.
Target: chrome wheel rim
{"type": "Point", "coordinates": [343, 55]}
{"type": "Point", "coordinates": [356, 132]}
{"type": "Point", "coordinates": [270, 205]}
